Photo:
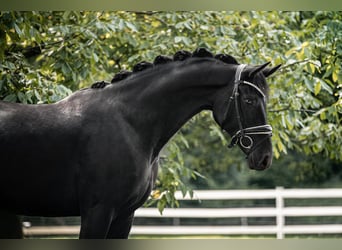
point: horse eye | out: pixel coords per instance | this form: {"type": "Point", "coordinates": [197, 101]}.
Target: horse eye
{"type": "Point", "coordinates": [249, 101]}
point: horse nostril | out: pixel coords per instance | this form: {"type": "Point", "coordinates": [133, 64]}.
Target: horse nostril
{"type": "Point", "coordinates": [265, 161]}
{"type": "Point", "coordinates": [261, 163]}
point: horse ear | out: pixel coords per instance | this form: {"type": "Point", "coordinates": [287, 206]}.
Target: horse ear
{"type": "Point", "coordinates": [258, 69]}
{"type": "Point", "coordinates": [269, 71]}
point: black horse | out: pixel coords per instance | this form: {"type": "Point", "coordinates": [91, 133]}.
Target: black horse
{"type": "Point", "coordinates": [95, 153]}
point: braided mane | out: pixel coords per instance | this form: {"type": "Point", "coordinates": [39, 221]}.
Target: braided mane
{"type": "Point", "coordinates": [180, 55]}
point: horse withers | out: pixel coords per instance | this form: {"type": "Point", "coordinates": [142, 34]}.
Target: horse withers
{"type": "Point", "coordinates": [95, 153]}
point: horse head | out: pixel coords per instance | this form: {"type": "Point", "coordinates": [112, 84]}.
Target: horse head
{"type": "Point", "coordinates": [241, 112]}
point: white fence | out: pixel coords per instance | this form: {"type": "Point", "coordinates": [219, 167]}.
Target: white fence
{"type": "Point", "coordinates": [280, 212]}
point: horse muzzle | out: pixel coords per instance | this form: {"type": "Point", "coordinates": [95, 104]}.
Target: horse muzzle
{"type": "Point", "coordinates": [260, 161]}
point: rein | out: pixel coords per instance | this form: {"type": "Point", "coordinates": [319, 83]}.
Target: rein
{"type": "Point", "coordinates": [243, 135]}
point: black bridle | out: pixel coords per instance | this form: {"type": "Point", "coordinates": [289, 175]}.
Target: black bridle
{"type": "Point", "coordinates": [243, 135]}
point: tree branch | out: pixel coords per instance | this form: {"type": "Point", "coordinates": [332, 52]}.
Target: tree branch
{"type": "Point", "coordinates": [299, 62]}
{"type": "Point", "coordinates": [295, 110]}
{"type": "Point", "coordinates": [149, 13]}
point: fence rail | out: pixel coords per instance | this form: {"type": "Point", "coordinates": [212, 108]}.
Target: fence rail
{"type": "Point", "coordinates": [279, 212]}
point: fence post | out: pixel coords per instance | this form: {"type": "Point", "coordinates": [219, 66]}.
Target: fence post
{"type": "Point", "coordinates": [280, 216]}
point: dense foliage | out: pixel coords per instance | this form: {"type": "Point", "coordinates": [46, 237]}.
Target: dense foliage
{"type": "Point", "coordinates": [44, 56]}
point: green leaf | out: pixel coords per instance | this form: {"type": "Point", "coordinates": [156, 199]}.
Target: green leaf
{"type": "Point", "coordinates": [184, 190]}
{"type": "Point", "coordinates": [66, 15]}
{"type": "Point", "coordinates": [131, 26]}
{"type": "Point", "coordinates": [178, 39]}
{"type": "Point", "coordinates": [10, 98]}
{"type": "Point", "coordinates": [161, 204]}
{"type": "Point", "coordinates": [96, 58]}
{"type": "Point", "coordinates": [325, 86]}
{"type": "Point", "coordinates": [289, 123]}
{"type": "Point", "coordinates": [317, 88]}
{"type": "Point", "coordinates": [309, 84]}
{"type": "Point", "coordinates": [184, 141]}
{"type": "Point", "coordinates": [37, 95]}
{"type": "Point", "coordinates": [22, 97]}
{"type": "Point", "coordinates": [2, 81]}
{"type": "Point", "coordinates": [335, 75]}
{"type": "Point", "coordinates": [121, 24]}
{"type": "Point", "coordinates": [18, 30]}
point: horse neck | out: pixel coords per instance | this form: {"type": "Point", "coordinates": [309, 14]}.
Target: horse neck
{"type": "Point", "coordinates": [164, 99]}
